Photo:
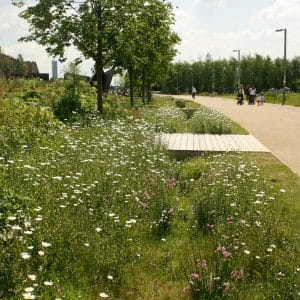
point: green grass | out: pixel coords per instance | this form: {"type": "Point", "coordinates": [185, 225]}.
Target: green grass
{"type": "Point", "coordinates": [291, 98]}
{"type": "Point", "coordinates": [276, 173]}
{"type": "Point", "coordinates": [96, 208]}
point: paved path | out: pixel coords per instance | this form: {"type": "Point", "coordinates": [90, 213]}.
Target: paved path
{"type": "Point", "coordinates": [274, 125]}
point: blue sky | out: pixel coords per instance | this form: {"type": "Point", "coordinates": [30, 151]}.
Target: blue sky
{"type": "Point", "coordinates": [205, 26]}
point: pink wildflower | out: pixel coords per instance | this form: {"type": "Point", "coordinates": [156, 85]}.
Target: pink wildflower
{"type": "Point", "coordinates": [237, 274]}
{"type": "Point", "coordinates": [194, 276]}
{"type": "Point", "coordinates": [202, 263]}
{"type": "Point", "coordinates": [171, 183]}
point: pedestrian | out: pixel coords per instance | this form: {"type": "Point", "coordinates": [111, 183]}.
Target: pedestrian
{"type": "Point", "coordinates": [240, 95]}
{"type": "Point", "coordinates": [194, 91]}
{"type": "Point", "coordinates": [252, 92]}
{"type": "Point", "coordinates": [247, 93]}
{"type": "Point", "coordinates": [260, 99]}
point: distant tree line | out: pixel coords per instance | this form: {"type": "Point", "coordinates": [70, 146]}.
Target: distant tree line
{"type": "Point", "coordinates": [221, 76]}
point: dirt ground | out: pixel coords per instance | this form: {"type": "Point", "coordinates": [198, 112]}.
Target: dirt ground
{"type": "Point", "coordinates": [274, 125]}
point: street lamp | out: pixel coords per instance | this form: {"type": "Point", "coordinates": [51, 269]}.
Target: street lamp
{"type": "Point", "coordinates": [239, 61]}
{"type": "Point", "coordinates": [213, 77]}
{"type": "Point", "coordinates": [284, 63]}
{"type": "Point", "coordinates": [177, 82]}
{"type": "Point", "coordinates": [192, 74]}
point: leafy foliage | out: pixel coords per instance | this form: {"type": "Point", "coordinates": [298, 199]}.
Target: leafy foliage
{"type": "Point", "coordinates": [109, 32]}
{"type": "Point", "coordinates": [23, 125]}
{"type": "Point", "coordinates": [68, 105]}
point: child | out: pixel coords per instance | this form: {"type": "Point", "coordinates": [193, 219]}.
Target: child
{"type": "Point", "coordinates": [260, 99]}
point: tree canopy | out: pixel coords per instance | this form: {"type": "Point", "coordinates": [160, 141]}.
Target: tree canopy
{"type": "Point", "coordinates": [108, 31]}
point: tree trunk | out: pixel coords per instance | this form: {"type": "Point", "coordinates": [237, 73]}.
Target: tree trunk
{"type": "Point", "coordinates": [130, 71]}
{"type": "Point", "coordinates": [143, 86]}
{"type": "Point", "coordinates": [99, 65]}
{"type": "Point", "coordinates": [149, 96]}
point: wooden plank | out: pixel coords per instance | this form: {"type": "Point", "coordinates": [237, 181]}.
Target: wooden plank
{"type": "Point", "coordinates": [251, 146]}
{"type": "Point", "coordinates": [215, 144]}
{"type": "Point", "coordinates": [202, 141]}
{"type": "Point", "coordinates": [230, 145]}
{"type": "Point", "coordinates": [246, 142]}
{"type": "Point", "coordinates": [177, 141]}
{"type": "Point", "coordinates": [183, 141]}
{"type": "Point", "coordinates": [196, 138]}
{"type": "Point", "coordinates": [208, 142]}
{"type": "Point", "coordinates": [190, 142]}
{"type": "Point", "coordinates": [226, 142]}
{"type": "Point", "coordinates": [171, 142]}
{"type": "Point", "coordinates": [242, 143]}
{"type": "Point", "coordinates": [222, 146]}
{"type": "Point", "coordinates": [258, 144]}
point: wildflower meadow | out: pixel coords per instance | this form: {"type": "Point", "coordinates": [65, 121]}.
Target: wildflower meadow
{"type": "Point", "coordinates": [93, 208]}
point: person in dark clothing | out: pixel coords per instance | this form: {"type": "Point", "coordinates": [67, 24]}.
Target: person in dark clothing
{"type": "Point", "coordinates": [247, 93]}
{"type": "Point", "coordinates": [240, 95]}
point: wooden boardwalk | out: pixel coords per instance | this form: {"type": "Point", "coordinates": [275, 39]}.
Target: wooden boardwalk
{"type": "Point", "coordinates": [188, 144]}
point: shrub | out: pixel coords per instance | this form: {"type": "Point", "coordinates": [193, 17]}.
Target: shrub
{"type": "Point", "coordinates": [31, 95]}
{"type": "Point", "coordinates": [180, 103]}
{"type": "Point", "coordinates": [190, 171]}
{"type": "Point", "coordinates": [68, 105]}
{"type": "Point", "coordinates": [23, 124]}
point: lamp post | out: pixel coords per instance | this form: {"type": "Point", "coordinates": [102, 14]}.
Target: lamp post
{"type": "Point", "coordinates": [239, 61]}
{"type": "Point", "coordinates": [284, 63]}
{"type": "Point", "coordinates": [213, 77]}
{"type": "Point", "coordinates": [192, 74]}
{"type": "Point", "coordinates": [177, 82]}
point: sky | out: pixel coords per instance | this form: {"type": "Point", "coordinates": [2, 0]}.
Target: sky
{"type": "Point", "coordinates": [216, 27]}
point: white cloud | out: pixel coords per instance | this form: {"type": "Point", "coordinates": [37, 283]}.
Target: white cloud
{"type": "Point", "coordinates": [288, 10]}
{"type": "Point", "coordinates": [218, 3]}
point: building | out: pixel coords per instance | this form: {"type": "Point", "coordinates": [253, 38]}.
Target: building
{"type": "Point", "coordinates": [54, 70]}
{"type": "Point", "coordinates": [33, 69]}
{"type": "Point", "coordinates": [8, 69]}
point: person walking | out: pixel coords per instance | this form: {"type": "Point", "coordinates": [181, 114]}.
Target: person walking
{"type": "Point", "coordinates": [247, 93]}
{"type": "Point", "coordinates": [194, 91]}
{"type": "Point", "coordinates": [252, 92]}
{"type": "Point", "coordinates": [240, 95]}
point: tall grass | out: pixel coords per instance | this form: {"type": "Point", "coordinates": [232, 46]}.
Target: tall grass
{"type": "Point", "coordinates": [97, 210]}
{"type": "Point", "coordinates": [247, 226]}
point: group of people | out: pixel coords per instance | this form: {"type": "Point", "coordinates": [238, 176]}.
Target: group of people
{"type": "Point", "coordinates": [249, 93]}
{"type": "Point", "coordinates": [251, 96]}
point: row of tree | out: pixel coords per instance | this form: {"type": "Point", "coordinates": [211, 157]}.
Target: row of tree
{"type": "Point", "coordinates": [222, 75]}
{"type": "Point", "coordinates": [134, 35]}
{"type": "Point", "coordinates": [10, 67]}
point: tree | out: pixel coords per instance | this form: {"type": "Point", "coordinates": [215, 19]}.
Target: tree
{"type": "Point", "coordinates": [92, 26]}
{"type": "Point", "coordinates": [6, 66]}
{"type": "Point", "coordinates": [95, 27]}
{"type": "Point", "coordinates": [20, 68]}
{"type": "Point", "coordinates": [146, 44]}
